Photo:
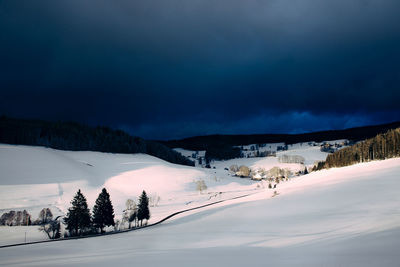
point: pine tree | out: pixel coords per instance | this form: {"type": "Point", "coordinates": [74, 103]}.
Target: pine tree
{"type": "Point", "coordinates": [78, 216]}
{"type": "Point", "coordinates": [103, 211]}
{"type": "Point", "coordinates": [143, 211]}
{"type": "Point", "coordinates": [380, 147]}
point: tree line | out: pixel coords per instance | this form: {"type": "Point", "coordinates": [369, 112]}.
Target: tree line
{"type": "Point", "coordinates": [15, 218]}
{"type": "Point", "coordinates": [223, 147]}
{"type": "Point", "coordinates": [78, 137]}
{"type": "Point", "coordinates": [79, 221]}
{"type": "Point", "coordinates": [382, 146]}
{"type": "Point", "coordinates": [205, 142]}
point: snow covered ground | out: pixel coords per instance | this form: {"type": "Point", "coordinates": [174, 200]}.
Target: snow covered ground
{"type": "Point", "coordinates": [33, 178]}
{"type": "Point", "coordinates": [339, 217]}
{"type": "Point", "coordinates": [310, 151]}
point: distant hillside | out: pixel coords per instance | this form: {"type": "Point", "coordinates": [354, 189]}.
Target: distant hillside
{"type": "Point", "coordinates": [382, 146]}
{"type": "Point", "coordinates": [210, 141]}
{"type": "Point", "coordinates": [77, 137]}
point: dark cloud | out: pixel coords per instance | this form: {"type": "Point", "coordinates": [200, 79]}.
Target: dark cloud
{"type": "Point", "coordinates": [165, 69]}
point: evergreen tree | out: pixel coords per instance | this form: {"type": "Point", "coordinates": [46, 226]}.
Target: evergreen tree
{"type": "Point", "coordinates": [103, 211]}
{"type": "Point", "coordinates": [143, 211]}
{"type": "Point", "coordinates": [78, 216]}
{"type": "Point", "coordinates": [75, 136]}
{"type": "Point", "coordinates": [382, 146]}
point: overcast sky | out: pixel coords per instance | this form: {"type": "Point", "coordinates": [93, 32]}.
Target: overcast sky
{"type": "Point", "coordinates": [170, 69]}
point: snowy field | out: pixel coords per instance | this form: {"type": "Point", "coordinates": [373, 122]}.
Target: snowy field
{"type": "Point", "coordinates": [33, 178]}
{"type": "Point", "coordinates": [339, 217]}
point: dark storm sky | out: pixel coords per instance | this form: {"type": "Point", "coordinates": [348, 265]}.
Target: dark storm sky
{"type": "Point", "coordinates": [175, 68]}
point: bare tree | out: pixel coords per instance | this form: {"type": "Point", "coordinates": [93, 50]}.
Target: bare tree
{"type": "Point", "coordinates": [154, 199]}
{"type": "Point", "coordinates": [201, 185]}
{"type": "Point", "coordinates": [244, 171]}
{"type": "Point", "coordinates": [234, 168]}
{"type": "Point", "coordinates": [45, 216]}
{"type": "Point", "coordinates": [130, 213]}
{"type": "Point", "coordinates": [51, 228]}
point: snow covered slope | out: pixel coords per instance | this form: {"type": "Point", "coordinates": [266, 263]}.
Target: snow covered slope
{"type": "Point", "coordinates": [32, 178]}
{"type": "Point", "coordinates": [339, 217]}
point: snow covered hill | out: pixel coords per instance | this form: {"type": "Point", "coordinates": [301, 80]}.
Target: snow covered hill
{"type": "Point", "coordinates": [340, 217]}
{"type": "Point", "coordinates": [33, 178]}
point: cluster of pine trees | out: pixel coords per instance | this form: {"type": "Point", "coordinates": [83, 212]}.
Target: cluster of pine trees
{"type": "Point", "coordinates": [197, 143]}
{"type": "Point", "coordinates": [382, 146]}
{"type": "Point", "coordinates": [77, 137]}
{"type": "Point", "coordinates": [79, 221]}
